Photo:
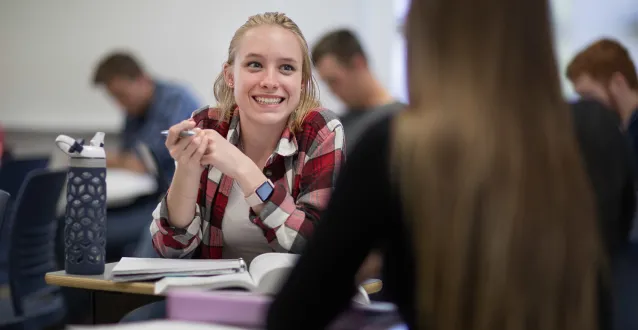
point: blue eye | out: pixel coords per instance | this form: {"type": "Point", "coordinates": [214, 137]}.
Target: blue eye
{"type": "Point", "coordinates": [255, 65]}
{"type": "Point", "coordinates": [287, 67]}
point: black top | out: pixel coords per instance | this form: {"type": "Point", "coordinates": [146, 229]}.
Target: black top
{"type": "Point", "coordinates": [365, 213]}
{"type": "Point", "coordinates": [356, 121]}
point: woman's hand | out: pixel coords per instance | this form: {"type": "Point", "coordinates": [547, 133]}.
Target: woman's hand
{"type": "Point", "coordinates": [232, 162]}
{"type": "Point", "coordinates": [222, 154]}
{"type": "Point", "coordinates": [187, 151]}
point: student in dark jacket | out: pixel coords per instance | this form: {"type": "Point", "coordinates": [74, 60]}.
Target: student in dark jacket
{"type": "Point", "coordinates": [478, 194]}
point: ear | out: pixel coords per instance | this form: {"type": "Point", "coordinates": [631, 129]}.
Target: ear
{"type": "Point", "coordinates": [228, 75]}
{"type": "Point", "coordinates": [359, 62]}
{"type": "Point", "coordinates": [618, 80]}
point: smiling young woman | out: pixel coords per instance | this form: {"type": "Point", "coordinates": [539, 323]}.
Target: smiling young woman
{"type": "Point", "coordinates": [263, 162]}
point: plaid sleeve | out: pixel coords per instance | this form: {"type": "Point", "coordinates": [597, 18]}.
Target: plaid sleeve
{"type": "Point", "coordinates": [168, 240]}
{"type": "Point", "coordinates": [289, 222]}
{"type": "Point", "coordinates": [173, 242]}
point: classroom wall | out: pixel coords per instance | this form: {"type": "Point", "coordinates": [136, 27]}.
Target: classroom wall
{"type": "Point", "coordinates": [50, 48]}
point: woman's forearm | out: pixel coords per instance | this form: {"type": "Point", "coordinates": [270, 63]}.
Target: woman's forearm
{"type": "Point", "coordinates": [182, 198]}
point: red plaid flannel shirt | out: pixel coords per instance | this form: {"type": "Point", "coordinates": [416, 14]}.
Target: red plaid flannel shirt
{"type": "Point", "coordinates": [303, 169]}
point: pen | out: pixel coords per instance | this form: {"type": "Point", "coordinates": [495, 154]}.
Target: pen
{"type": "Point", "coordinates": [181, 134]}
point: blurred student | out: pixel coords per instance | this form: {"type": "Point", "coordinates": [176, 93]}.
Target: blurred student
{"type": "Point", "coordinates": [150, 106]}
{"type": "Point", "coordinates": [604, 71]}
{"type": "Point", "coordinates": [480, 199]}
{"type": "Point", "coordinates": [343, 65]}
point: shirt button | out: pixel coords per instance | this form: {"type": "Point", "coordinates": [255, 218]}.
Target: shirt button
{"type": "Point", "coordinates": [268, 173]}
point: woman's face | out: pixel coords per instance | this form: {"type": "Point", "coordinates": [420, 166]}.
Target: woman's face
{"type": "Point", "coordinates": [266, 74]}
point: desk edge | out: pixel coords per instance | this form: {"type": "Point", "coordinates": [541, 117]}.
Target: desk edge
{"type": "Point", "coordinates": [100, 284]}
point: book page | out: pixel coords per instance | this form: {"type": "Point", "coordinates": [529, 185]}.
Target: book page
{"type": "Point", "coordinates": [270, 270]}
{"type": "Point", "coordinates": [129, 266]}
{"type": "Point", "coordinates": [237, 280]}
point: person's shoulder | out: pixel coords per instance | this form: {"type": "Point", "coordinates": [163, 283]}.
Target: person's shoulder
{"type": "Point", "coordinates": [592, 111]}
{"type": "Point", "coordinates": [321, 119]}
{"type": "Point", "coordinates": [377, 133]}
{"type": "Point", "coordinates": [594, 118]}
{"type": "Point", "coordinates": [320, 126]}
{"type": "Point", "coordinates": [173, 89]}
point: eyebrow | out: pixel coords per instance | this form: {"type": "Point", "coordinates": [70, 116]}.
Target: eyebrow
{"type": "Point", "coordinates": [285, 59]}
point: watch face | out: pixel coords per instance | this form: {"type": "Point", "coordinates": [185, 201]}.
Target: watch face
{"type": "Point", "coordinates": [264, 191]}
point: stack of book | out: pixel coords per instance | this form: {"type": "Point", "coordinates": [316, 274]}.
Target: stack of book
{"type": "Point", "coordinates": [143, 269]}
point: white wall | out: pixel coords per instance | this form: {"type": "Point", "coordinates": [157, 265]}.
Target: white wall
{"type": "Point", "coordinates": [581, 22]}
{"type": "Point", "coordinates": [577, 23]}
{"type": "Point", "coordinates": [50, 48]}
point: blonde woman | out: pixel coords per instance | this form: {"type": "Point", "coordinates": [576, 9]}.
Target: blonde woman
{"type": "Point", "coordinates": [263, 162]}
{"type": "Point", "coordinates": [477, 193]}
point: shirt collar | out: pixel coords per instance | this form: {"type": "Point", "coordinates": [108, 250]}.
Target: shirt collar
{"type": "Point", "coordinates": [287, 145]}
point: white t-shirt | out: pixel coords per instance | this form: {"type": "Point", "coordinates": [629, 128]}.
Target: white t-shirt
{"type": "Point", "coordinates": [242, 238]}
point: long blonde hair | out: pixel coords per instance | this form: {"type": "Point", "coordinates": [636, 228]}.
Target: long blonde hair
{"type": "Point", "coordinates": [490, 173]}
{"type": "Point", "coordinates": [309, 91]}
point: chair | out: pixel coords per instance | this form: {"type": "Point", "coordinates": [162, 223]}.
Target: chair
{"type": "Point", "coordinates": [31, 250]}
{"type": "Point", "coordinates": [14, 171]}
{"type": "Point", "coordinates": [4, 208]}
{"type": "Point", "coordinates": [4, 204]}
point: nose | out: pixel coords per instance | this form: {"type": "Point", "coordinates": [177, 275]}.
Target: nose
{"type": "Point", "coordinates": [269, 80]}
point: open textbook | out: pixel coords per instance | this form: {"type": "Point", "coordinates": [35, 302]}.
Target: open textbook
{"type": "Point", "coordinates": [265, 275]}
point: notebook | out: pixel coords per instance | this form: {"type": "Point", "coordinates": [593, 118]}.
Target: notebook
{"type": "Point", "coordinates": [265, 274]}
{"type": "Point", "coordinates": [142, 269]}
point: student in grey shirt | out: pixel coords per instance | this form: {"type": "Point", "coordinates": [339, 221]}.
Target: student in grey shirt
{"type": "Point", "coordinates": [343, 65]}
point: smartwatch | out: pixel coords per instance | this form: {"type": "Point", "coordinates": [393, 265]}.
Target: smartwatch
{"type": "Point", "coordinates": [261, 194]}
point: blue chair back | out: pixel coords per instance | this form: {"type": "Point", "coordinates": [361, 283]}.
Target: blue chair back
{"type": "Point", "coordinates": [4, 204]}
{"type": "Point", "coordinates": [14, 171]}
{"type": "Point", "coordinates": [32, 245]}
{"type": "Point", "coordinates": [4, 234]}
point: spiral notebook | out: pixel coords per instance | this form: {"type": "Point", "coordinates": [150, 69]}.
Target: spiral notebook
{"type": "Point", "coordinates": [144, 269]}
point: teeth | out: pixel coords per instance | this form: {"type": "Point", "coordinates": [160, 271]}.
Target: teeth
{"type": "Point", "coordinates": [269, 100]}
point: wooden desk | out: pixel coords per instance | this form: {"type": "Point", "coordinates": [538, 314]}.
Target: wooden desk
{"type": "Point", "coordinates": [103, 282]}
{"type": "Point", "coordinates": [99, 282]}
{"type": "Point", "coordinates": [117, 295]}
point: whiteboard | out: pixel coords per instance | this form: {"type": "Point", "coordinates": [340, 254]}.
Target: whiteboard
{"type": "Point", "coordinates": [50, 49]}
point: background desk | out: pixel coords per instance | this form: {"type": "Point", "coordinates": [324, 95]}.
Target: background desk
{"type": "Point", "coordinates": [124, 187]}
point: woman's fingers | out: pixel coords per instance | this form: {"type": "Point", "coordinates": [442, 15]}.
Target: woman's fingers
{"type": "Point", "coordinates": [173, 132]}
{"type": "Point", "coordinates": [190, 149]}
{"type": "Point", "coordinates": [201, 149]}
{"type": "Point", "coordinates": [177, 149]}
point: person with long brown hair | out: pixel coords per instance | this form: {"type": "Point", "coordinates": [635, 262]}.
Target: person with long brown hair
{"type": "Point", "coordinates": [477, 193]}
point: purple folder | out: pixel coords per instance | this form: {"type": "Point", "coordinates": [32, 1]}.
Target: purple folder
{"type": "Point", "coordinates": [236, 308]}
{"type": "Point", "coordinates": [248, 310]}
